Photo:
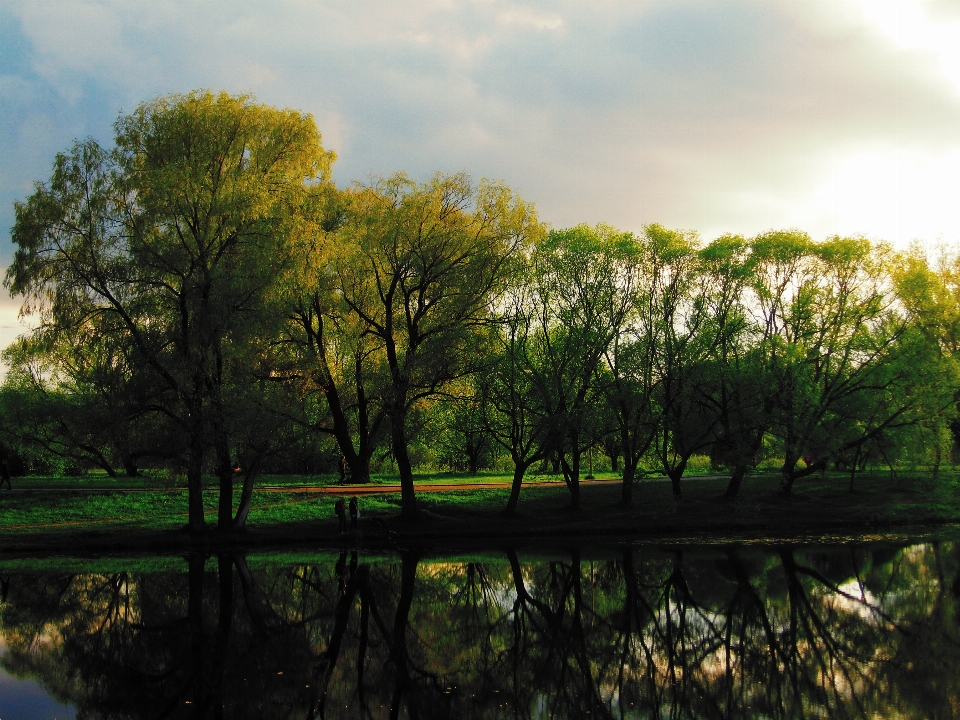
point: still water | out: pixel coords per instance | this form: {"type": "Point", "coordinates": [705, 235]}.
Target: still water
{"type": "Point", "coordinates": [865, 630]}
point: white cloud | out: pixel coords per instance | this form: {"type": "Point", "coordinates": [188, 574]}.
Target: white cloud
{"type": "Point", "coordinates": [527, 16]}
{"type": "Point", "coordinates": [915, 25]}
{"type": "Point", "coordinates": [733, 116]}
{"type": "Point", "coordinates": [700, 114]}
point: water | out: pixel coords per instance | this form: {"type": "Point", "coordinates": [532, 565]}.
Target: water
{"type": "Point", "coordinates": [27, 700]}
{"type": "Point", "coordinates": [866, 630]}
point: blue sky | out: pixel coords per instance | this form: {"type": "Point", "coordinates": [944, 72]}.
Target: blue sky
{"type": "Point", "coordinates": [833, 116]}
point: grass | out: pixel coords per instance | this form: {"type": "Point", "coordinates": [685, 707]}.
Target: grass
{"type": "Point", "coordinates": [102, 514]}
{"type": "Point", "coordinates": [101, 481]}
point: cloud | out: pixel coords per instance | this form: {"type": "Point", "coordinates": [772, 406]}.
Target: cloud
{"type": "Point", "coordinates": [717, 115]}
{"type": "Point", "coordinates": [926, 27]}
{"type": "Point", "coordinates": [522, 16]}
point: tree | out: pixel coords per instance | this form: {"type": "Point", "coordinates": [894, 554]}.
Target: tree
{"type": "Point", "coordinates": [333, 359]}
{"type": "Point", "coordinates": [629, 383]}
{"type": "Point", "coordinates": [832, 326]}
{"type": "Point", "coordinates": [740, 400]}
{"type": "Point", "coordinates": [179, 238]}
{"type": "Point", "coordinates": [512, 408]}
{"type": "Point", "coordinates": [583, 284]}
{"type": "Point", "coordinates": [84, 397]}
{"type": "Point", "coordinates": [929, 293]}
{"type": "Point", "coordinates": [678, 324]}
{"type": "Point", "coordinates": [458, 432]}
{"type": "Point", "coordinates": [420, 267]}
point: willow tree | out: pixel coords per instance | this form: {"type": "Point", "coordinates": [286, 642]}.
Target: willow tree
{"type": "Point", "coordinates": [676, 317]}
{"type": "Point", "coordinates": [330, 356]}
{"type": "Point", "coordinates": [650, 359]}
{"type": "Point", "coordinates": [833, 343]}
{"type": "Point", "coordinates": [739, 398]}
{"type": "Point", "coordinates": [419, 267]}
{"type": "Point", "coordinates": [929, 290]}
{"type": "Point", "coordinates": [180, 237]}
{"type": "Point", "coordinates": [583, 288]}
{"type": "Point", "coordinates": [512, 407]}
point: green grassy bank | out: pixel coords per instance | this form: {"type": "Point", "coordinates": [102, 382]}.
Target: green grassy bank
{"type": "Point", "coordinates": [99, 514]}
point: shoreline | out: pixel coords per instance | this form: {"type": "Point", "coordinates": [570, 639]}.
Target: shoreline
{"type": "Point", "coordinates": [442, 541]}
{"type": "Point", "coordinates": [470, 517]}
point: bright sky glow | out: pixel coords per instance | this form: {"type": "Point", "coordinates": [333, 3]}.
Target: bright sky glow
{"type": "Point", "coordinates": [914, 25]}
{"type": "Point", "coordinates": [896, 195]}
{"type": "Point", "coordinates": [901, 193]}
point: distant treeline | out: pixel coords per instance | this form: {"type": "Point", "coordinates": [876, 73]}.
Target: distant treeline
{"type": "Point", "coordinates": [208, 301]}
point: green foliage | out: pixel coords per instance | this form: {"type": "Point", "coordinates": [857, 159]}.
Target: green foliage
{"type": "Point", "coordinates": [419, 267]}
{"type": "Point", "coordinates": [175, 246]}
{"type": "Point", "coordinates": [207, 301]}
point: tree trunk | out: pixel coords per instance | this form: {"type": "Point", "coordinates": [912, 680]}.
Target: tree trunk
{"type": "Point", "coordinates": [571, 473]}
{"type": "Point", "coordinates": [130, 466]}
{"type": "Point", "coordinates": [790, 473]}
{"type": "Point", "coordinates": [626, 488]}
{"type": "Point", "coordinates": [853, 467]}
{"type": "Point", "coordinates": [364, 461]}
{"type": "Point", "coordinates": [630, 461]}
{"type": "Point", "coordinates": [367, 429]}
{"type": "Point", "coordinates": [675, 474]}
{"type": "Point", "coordinates": [408, 497]}
{"type": "Point", "coordinates": [473, 457]}
{"type": "Point", "coordinates": [195, 521]}
{"type": "Point", "coordinates": [736, 479]}
{"type": "Point", "coordinates": [788, 476]}
{"type": "Point", "coordinates": [575, 481]}
{"type": "Point", "coordinates": [675, 484]}
{"type": "Point", "coordinates": [225, 478]}
{"type": "Point", "coordinates": [519, 469]}
{"type": "Point", "coordinates": [358, 460]}
{"type": "Point", "coordinates": [786, 483]}
{"type": "Point", "coordinates": [398, 644]}
{"type": "Point", "coordinates": [99, 459]}
{"type": "Point", "coordinates": [245, 496]}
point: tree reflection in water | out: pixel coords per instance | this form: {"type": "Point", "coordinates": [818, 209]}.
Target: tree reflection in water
{"type": "Point", "coordinates": [734, 633]}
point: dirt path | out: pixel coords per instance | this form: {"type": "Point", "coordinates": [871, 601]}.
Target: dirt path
{"type": "Point", "coordinates": [422, 487]}
{"type": "Point", "coordinates": [366, 489]}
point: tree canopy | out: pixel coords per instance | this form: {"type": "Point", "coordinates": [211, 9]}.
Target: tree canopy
{"type": "Point", "coordinates": [209, 302]}
{"type": "Point", "coordinates": [177, 242]}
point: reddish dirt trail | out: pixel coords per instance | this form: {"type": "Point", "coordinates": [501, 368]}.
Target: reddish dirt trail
{"type": "Point", "coordinates": [422, 487]}
{"type": "Point", "coordinates": [368, 489]}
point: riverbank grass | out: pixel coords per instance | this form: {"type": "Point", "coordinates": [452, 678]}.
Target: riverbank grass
{"type": "Point", "coordinates": [51, 513]}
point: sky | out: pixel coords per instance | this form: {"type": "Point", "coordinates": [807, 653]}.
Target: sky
{"type": "Point", "coordinates": [831, 116]}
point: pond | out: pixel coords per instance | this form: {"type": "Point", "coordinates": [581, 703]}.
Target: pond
{"type": "Point", "coordinates": [739, 631]}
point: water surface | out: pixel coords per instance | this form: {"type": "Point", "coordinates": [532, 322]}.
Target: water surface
{"type": "Point", "coordinates": [864, 630]}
